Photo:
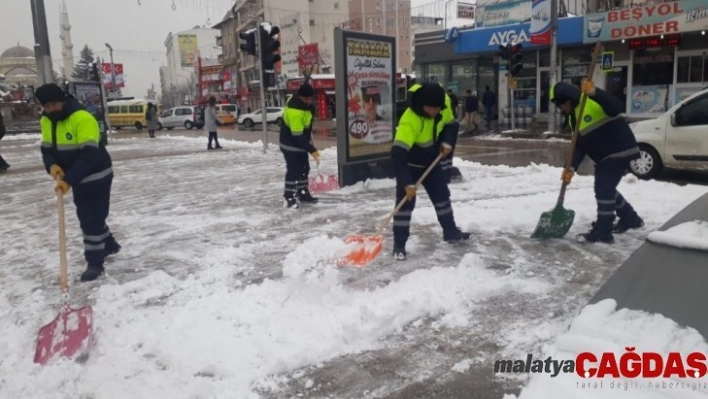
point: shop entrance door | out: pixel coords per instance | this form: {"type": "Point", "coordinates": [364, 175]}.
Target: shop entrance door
{"type": "Point", "coordinates": [616, 84]}
{"type": "Point", "coordinates": [543, 90]}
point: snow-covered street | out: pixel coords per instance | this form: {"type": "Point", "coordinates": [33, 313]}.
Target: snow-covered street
{"type": "Point", "coordinates": [219, 292]}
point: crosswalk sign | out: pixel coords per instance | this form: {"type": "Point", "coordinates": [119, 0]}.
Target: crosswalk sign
{"type": "Point", "coordinates": [608, 58]}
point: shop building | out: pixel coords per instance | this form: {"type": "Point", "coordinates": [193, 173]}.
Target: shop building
{"type": "Point", "coordinates": [654, 66]}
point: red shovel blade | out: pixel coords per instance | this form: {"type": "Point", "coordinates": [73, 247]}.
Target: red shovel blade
{"type": "Point", "coordinates": [360, 251]}
{"type": "Point", "coordinates": [322, 183]}
{"type": "Point", "coordinates": [68, 334]}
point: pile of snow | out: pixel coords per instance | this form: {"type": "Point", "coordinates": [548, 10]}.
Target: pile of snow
{"type": "Point", "coordinates": [602, 328]}
{"type": "Point", "coordinates": [499, 137]}
{"type": "Point", "coordinates": [22, 136]}
{"type": "Point", "coordinates": [692, 235]}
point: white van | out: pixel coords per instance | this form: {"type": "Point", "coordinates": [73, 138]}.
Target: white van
{"type": "Point", "coordinates": [677, 139]}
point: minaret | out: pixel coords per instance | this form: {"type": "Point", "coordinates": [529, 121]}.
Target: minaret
{"type": "Point", "coordinates": [67, 47]}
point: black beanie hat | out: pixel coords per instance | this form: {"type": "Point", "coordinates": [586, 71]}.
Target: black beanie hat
{"type": "Point", "coordinates": [50, 92]}
{"type": "Point", "coordinates": [305, 91]}
{"type": "Point", "coordinates": [432, 95]}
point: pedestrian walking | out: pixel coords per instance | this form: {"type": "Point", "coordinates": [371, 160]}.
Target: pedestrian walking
{"type": "Point", "coordinates": [604, 136]}
{"type": "Point", "coordinates": [152, 119]}
{"type": "Point", "coordinates": [4, 166]}
{"type": "Point", "coordinates": [211, 121]}
{"type": "Point", "coordinates": [471, 109]}
{"type": "Point", "coordinates": [73, 153]}
{"type": "Point", "coordinates": [419, 138]}
{"type": "Point", "coordinates": [489, 100]}
{"type": "Point", "coordinates": [295, 144]}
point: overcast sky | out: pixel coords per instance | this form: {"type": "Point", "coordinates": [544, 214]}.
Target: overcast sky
{"type": "Point", "coordinates": [136, 32]}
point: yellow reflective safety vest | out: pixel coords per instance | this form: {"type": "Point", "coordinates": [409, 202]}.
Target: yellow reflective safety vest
{"type": "Point", "coordinates": [73, 143]}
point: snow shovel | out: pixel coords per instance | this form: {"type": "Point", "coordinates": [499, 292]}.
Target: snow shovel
{"type": "Point", "coordinates": [557, 222]}
{"type": "Point", "coordinates": [363, 249]}
{"type": "Point", "coordinates": [322, 183]}
{"type": "Point", "coordinates": [70, 332]}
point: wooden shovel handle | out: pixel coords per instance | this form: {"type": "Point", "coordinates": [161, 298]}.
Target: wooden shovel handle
{"type": "Point", "coordinates": [576, 128]}
{"type": "Point", "coordinates": [405, 199]}
{"type": "Point", "coordinates": [64, 268]}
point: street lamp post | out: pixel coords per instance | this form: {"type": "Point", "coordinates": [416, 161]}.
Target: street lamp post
{"type": "Point", "coordinates": [113, 69]}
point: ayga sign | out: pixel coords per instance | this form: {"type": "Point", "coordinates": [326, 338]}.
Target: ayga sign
{"type": "Point", "coordinates": [510, 36]}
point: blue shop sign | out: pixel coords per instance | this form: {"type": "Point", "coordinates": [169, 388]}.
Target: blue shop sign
{"type": "Point", "coordinates": [570, 31]}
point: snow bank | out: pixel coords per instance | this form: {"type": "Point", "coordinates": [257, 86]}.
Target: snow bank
{"type": "Point", "coordinates": [22, 136]}
{"type": "Point", "coordinates": [602, 328]}
{"type": "Point", "coordinates": [692, 235]}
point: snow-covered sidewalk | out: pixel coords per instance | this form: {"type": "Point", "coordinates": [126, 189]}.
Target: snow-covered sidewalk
{"type": "Point", "coordinates": [219, 291]}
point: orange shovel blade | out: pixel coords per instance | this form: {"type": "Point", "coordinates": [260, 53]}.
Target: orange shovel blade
{"type": "Point", "coordinates": [68, 334]}
{"type": "Point", "coordinates": [361, 250]}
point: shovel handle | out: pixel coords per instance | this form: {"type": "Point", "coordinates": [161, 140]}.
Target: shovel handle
{"type": "Point", "coordinates": [64, 268]}
{"type": "Point", "coordinates": [576, 128]}
{"type": "Point", "coordinates": [405, 199]}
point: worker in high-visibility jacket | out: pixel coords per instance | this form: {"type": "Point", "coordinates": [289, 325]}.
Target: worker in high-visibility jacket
{"type": "Point", "coordinates": [451, 129]}
{"type": "Point", "coordinates": [604, 136]}
{"type": "Point", "coordinates": [72, 151]}
{"type": "Point", "coordinates": [420, 137]}
{"type": "Point", "coordinates": [296, 143]}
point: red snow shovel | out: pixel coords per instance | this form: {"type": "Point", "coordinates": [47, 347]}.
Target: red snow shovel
{"type": "Point", "coordinates": [322, 183]}
{"type": "Point", "coordinates": [70, 332]}
{"type": "Point", "coordinates": [363, 249]}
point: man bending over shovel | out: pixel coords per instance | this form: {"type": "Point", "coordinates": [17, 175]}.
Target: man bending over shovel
{"type": "Point", "coordinates": [606, 138]}
{"type": "Point", "coordinates": [419, 138]}
{"type": "Point", "coordinates": [75, 157]}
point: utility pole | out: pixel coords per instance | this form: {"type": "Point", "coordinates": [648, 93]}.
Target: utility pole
{"type": "Point", "coordinates": [113, 69]}
{"type": "Point", "coordinates": [264, 120]}
{"type": "Point", "coordinates": [42, 53]}
{"type": "Point", "coordinates": [553, 78]}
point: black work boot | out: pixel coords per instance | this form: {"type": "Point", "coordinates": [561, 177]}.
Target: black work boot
{"type": "Point", "coordinates": [596, 235]}
{"type": "Point", "coordinates": [399, 252]}
{"type": "Point", "coordinates": [112, 247]}
{"type": "Point", "coordinates": [624, 224]}
{"type": "Point", "coordinates": [306, 198]}
{"type": "Point", "coordinates": [92, 272]}
{"type": "Point", "coordinates": [455, 235]}
{"type": "Point", "coordinates": [291, 203]}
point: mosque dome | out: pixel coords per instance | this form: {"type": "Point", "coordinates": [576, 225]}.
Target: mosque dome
{"type": "Point", "coordinates": [17, 52]}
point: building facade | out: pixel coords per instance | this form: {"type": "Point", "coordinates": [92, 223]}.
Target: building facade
{"type": "Point", "coordinates": [385, 17]}
{"type": "Point", "coordinates": [312, 27]}
{"type": "Point", "coordinates": [18, 66]}
{"type": "Point", "coordinates": [183, 49]}
{"type": "Point", "coordinates": [650, 71]}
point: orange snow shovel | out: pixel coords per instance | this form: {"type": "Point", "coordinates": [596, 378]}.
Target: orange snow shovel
{"type": "Point", "coordinates": [362, 249]}
{"type": "Point", "coordinates": [70, 332]}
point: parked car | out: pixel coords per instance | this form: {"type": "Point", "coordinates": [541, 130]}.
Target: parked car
{"type": "Point", "coordinates": [227, 113]}
{"type": "Point", "coordinates": [186, 116]}
{"type": "Point", "coordinates": [273, 115]}
{"type": "Point", "coordinates": [676, 139]}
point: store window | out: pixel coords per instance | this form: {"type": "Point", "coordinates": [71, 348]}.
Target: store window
{"type": "Point", "coordinates": [525, 92]}
{"type": "Point", "coordinates": [692, 69]}
{"type": "Point", "coordinates": [576, 65]}
{"type": "Point", "coordinates": [653, 76]}
{"type": "Point", "coordinates": [438, 72]}
{"type": "Point", "coordinates": [464, 77]}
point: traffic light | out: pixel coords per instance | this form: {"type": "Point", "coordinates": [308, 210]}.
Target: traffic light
{"type": "Point", "coordinates": [248, 44]}
{"type": "Point", "coordinates": [516, 60]}
{"type": "Point", "coordinates": [505, 52]}
{"type": "Point", "coordinates": [270, 46]}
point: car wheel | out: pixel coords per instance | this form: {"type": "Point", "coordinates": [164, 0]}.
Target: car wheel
{"type": "Point", "coordinates": [188, 125]}
{"type": "Point", "coordinates": [648, 165]}
{"type": "Point", "coordinates": [279, 121]}
{"type": "Point", "coordinates": [138, 125]}
{"type": "Point", "coordinates": [248, 123]}
{"type": "Point", "coordinates": [159, 126]}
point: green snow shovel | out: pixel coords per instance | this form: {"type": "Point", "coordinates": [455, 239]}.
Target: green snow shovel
{"type": "Point", "coordinates": [557, 222]}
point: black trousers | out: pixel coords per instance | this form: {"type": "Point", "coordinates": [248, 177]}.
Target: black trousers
{"type": "Point", "coordinates": [451, 130]}
{"type": "Point", "coordinates": [3, 163]}
{"type": "Point", "coordinates": [213, 136]}
{"type": "Point", "coordinates": [92, 202]}
{"type": "Point", "coordinates": [608, 175]}
{"type": "Point", "coordinates": [439, 194]}
{"type": "Point", "coordinates": [297, 172]}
